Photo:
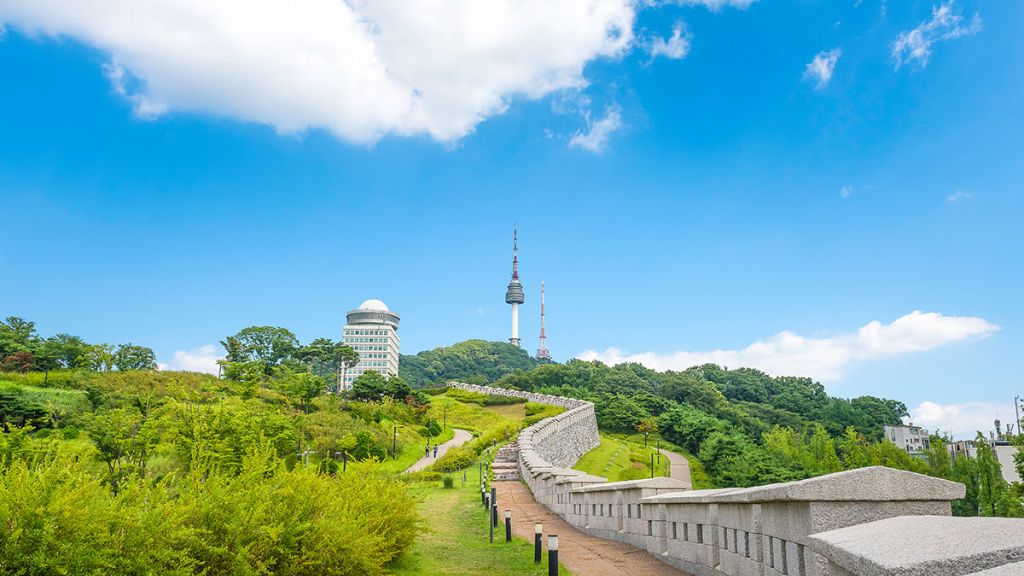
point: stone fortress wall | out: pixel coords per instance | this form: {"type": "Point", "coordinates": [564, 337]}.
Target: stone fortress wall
{"type": "Point", "coordinates": [867, 522]}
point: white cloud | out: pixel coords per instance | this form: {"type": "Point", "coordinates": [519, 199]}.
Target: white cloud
{"type": "Point", "coordinates": [713, 5]}
{"type": "Point", "coordinates": [673, 48]}
{"type": "Point", "coordinates": [595, 139]}
{"type": "Point", "coordinates": [823, 358]}
{"type": "Point", "coordinates": [964, 420]}
{"type": "Point", "coordinates": [820, 69]}
{"type": "Point", "coordinates": [357, 68]}
{"type": "Point", "coordinates": [201, 359]}
{"type": "Point", "coordinates": [846, 191]}
{"type": "Point", "coordinates": [958, 197]}
{"type": "Point", "coordinates": [915, 46]}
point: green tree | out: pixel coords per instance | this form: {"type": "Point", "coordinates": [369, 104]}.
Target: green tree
{"type": "Point", "coordinates": [369, 385]}
{"type": "Point", "coordinates": [17, 335]}
{"type": "Point", "coordinates": [994, 495]}
{"type": "Point", "coordinates": [124, 440]}
{"type": "Point", "coordinates": [69, 351]}
{"type": "Point", "coordinates": [647, 426]}
{"type": "Point", "coordinates": [132, 357]}
{"type": "Point", "coordinates": [268, 345]}
{"type": "Point", "coordinates": [345, 357]}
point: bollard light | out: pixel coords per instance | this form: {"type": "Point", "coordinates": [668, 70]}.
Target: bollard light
{"type": "Point", "coordinates": [508, 525]}
{"type": "Point", "coordinates": [552, 555]}
{"type": "Point", "coordinates": [538, 529]}
{"type": "Point", "coordinates": [508, 514]}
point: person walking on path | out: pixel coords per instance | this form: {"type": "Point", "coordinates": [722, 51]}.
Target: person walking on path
{"type": "Point", "coordinates": [460, 438]}
{"type": "Point", "coordinates": [435, 450]}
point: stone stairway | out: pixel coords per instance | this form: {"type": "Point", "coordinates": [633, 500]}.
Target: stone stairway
{"type": "Point", "coordinates": [506, 462]}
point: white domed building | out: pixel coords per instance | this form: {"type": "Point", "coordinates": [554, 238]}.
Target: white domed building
{"type": "Point", "coordinates": [372, 330]}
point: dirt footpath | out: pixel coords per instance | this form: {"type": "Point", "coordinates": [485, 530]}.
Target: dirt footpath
{"type": "Point", "coordinates": [584, 555]}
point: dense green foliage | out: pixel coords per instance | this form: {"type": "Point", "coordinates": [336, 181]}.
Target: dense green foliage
{"type": "Point", "coordinates": [23, 350]}
{"type": "Point", "coordinates": [185, 473]}
{"type": "Point", "coordinates": [748, 428]}
{"type": "Point", "coordinates": [472, 361]}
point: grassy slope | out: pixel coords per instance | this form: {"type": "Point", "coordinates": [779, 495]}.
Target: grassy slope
{"type": "Point", "coordinates": [612, 459]}
{"type": "Point", "coordinates": [456, 541]}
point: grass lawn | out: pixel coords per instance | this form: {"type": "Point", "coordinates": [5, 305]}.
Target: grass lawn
{"type": "Point", "coordinates": [456, 541]}
{"type": "Point", "coordinates": [510, 411]}
{"type": "Point", "coordinates": [619, 457]}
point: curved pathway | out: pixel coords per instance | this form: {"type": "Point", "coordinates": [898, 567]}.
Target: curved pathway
{"type": "Point", "coordinates": [579, 552]}
{"type": "Point", "coordinates": [679, 467]}
{"type": "Point", "coordinates": [460, 438]}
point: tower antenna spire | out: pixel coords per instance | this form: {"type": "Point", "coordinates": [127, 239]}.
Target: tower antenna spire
{"type": "Point", "coordinates": [515, 253]}
{"type": "Point", "coordinates": [542, 350]}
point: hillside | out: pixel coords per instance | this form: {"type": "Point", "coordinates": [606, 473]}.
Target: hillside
{"type": "Point", "coordinates": [472, 361]}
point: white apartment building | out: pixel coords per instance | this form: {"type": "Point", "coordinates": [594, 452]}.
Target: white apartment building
{"type": "Point", "coordinates": [910, 438]}
{"type": "Point", "coordinates": [372, 331]}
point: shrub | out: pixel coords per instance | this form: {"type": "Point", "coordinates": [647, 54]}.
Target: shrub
{"type": "Point", "coordinates": [69, 433]}
{"type": "Point", "coordinates": [448, 481]}
{"type": "Point", "coordinates": [456, 459]}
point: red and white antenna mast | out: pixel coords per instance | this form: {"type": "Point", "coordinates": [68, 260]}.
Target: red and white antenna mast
{"type": "Point", "coordinates": [542, 351]}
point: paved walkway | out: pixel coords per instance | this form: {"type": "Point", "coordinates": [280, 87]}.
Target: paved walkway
{"type": "Point", "coordinates": [580, 553]}
{"type": "Point", "coordinates": [679, 468]}
{"type": "Point", "coordinates": [460, 438]}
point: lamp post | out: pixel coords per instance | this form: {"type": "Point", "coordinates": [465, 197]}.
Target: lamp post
{"type": "Point", "coordinates": [394, 442]}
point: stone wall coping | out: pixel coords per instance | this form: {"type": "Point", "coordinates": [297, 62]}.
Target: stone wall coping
{"type": "Point", "coordinates": [923, 545]}
{"type": "Point", "coordinates": [588, 478]}
{"type": "Point", "coordinates": [1015, 569]}
{"type": "Point", "coordinates": [659, 483]}
{"type": "Point", "coordinates": [871, 484]}
{"type": "Point", "coordinates": [706, 496]}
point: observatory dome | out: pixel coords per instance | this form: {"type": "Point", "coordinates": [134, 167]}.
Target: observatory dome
{"type": "Point", "coordinates": [374, 304]}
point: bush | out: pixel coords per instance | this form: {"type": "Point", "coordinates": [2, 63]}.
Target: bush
{"type": "Point", "coordinates": [69, 433]}
{"type": "Point", "coordinates": [448, 481]}
{"type": "Point", "coordinates": [456, 459]}
{"type": "Point", "coordinates": [60, 519]}
{"type": "Point", "coordinates": [496, 400]}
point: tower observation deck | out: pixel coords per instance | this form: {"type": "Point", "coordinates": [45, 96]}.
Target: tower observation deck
{"type": "Point", "coordinates": [514, 294]}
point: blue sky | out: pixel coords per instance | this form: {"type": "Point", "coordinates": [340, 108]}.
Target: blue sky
{"type": "Point", "coordinates": [753, 182]}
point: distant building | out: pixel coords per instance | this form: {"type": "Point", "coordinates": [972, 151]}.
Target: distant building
{"type": "Point", "coordinates": [913, 439]}
{"type": "Point", "coordinates": [962, 448]}
{"type": "Point", "coordinates": [1005, 453]}
{"type": "Point", "coordinates": [372, 330]}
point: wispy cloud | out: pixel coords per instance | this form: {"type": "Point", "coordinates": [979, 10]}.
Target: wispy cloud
{"type": "Point", "coordinates": [914, 47]}
{"type": "Point", "coordinates": [713, 5]}
{"type": "Point", "coordinates": [824, 358]}
{"type": "Point", "coordinates": [674, 47]}
{"type": "Point", "coordinates": [959, 196]}
{"type": "Point", "coordinates": [846, 191]}
{"type": "Point", "coordinates": [200, 359]}
{"type": "Point", "coordinates": [595, 138]}
{"type": "Point", "coordinates": [821, 67]}
{"type": "Point", "coordinates": [962, 420]}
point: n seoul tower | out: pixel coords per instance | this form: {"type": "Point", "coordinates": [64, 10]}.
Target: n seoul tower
{"type": "Point", "coordinates": [514, 293]}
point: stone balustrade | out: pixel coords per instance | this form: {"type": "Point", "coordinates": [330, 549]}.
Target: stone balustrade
{"type": "Point", "coordinates": [865, 522]}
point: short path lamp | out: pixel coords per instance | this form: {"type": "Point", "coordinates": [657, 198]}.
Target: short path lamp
{"type": "Point", "coordinates": [538, 529]}
{"type": "Point", "coordinates": [552, 554]}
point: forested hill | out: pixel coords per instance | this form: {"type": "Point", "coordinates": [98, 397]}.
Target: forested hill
{"type": "Point", "coordinates": [472, 361]}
